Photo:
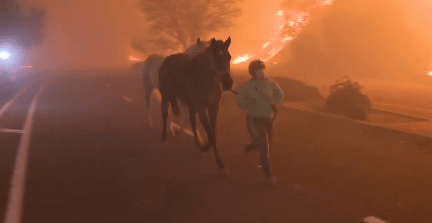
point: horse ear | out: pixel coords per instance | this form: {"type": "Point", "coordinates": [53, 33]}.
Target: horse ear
{"type": "Point", "coordinates": [227, 43]}
{"type": "Point", "coordinates": [198, 41]}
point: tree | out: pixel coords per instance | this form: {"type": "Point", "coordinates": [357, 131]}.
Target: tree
{"type": "Point", "coordinates": [25, 28]}
{"type": "Point", "coordinates": [175, 25]}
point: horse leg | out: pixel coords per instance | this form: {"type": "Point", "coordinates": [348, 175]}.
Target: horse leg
{"type": "Point", "coordinates": [211, 138]}
{"type": "Point", "coordinates": [171, 122]}
{"type": "Point", "coordinates": [185, 117]}
{"type": "Point", "coordinates": [192, 119]}
{"type": "Point", "coordinates": [175, 107]}
{"type": "Point", "coordinates": [202, 114]}
{"type": "Point", "coordinates": [213, 113]}
{"type": "Point", "coordinates": [151, 95]}
{"type": "Point", "coordinates": [175, 128]}
{"type": "Point", "coordinates": [148, 93]}
{"type": "Point", "coordinates": [164, 107]}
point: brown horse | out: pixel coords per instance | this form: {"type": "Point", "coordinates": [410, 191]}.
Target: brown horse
{"type": "Point", "coordinates": [197, 81]}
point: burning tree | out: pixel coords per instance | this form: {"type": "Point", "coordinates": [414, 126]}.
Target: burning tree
{"type": "Point", "coordinates": [175, 25]}
{"type": "Point", "coordinates": [24, 27]}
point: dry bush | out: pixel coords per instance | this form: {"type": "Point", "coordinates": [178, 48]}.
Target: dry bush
{"type": "Point", "coordinates": [346, 99]}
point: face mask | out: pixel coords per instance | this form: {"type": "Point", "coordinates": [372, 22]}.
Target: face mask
{"type": "Point", "coordinates": [259, 74]}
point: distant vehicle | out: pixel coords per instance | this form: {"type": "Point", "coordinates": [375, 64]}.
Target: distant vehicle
{"type": "Point", "coordinates": [13, 62]}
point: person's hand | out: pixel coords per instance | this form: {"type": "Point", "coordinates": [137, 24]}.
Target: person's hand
{"type": "Point", "coordinates": [249, 101]}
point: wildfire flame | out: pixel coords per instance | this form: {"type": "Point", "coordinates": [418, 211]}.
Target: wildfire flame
{"type": "Point", "coordinates": [430, 73]}
{"type": "Point", "coordinates": [133, 58]}
{"type": "Point", "coordinates": [278, 42]}
{"type": "Point", "coordinates": [241, 58]}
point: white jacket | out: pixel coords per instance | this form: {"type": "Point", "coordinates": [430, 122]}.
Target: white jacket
{"type": "Point", "coordinates": [258, 95]}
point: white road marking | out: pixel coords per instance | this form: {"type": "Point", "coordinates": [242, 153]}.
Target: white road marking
{"type": "Point", "coordinates": [12, 131]}
{"type": "Point", "coordinates": [9, 103]}
{"type": "Point", "coordinates": [127, 99]}
{"type": "Point", "coordinates": [372, 219]}
{"type": "Point", "coordinates": [16, 192]}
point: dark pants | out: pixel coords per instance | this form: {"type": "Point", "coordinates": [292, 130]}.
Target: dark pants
{"type": "Point", "coordinates": [261, 130]}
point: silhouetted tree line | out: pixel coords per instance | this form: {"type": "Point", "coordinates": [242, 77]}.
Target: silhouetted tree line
{"type": "Point", "coordinates": [175, 25]}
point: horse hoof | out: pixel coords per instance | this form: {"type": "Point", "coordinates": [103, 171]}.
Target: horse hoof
{"type": "Point", "coordinates": [224, 171]}
{"type": "Point", "coordinates": [205, 148]}
{"type": "Point", "coordinates": [198, 143]}
{"type": "Point", "coordinates": [173, 133]}
{"type": "Point", "coordinates": [163, 139]}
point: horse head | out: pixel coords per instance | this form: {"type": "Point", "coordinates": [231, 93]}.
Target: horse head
{"type": "Point", "coordinates": [221, 61]}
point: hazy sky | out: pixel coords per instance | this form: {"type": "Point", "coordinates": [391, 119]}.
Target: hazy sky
{"type": "Point", "coordinates": [97, 33]}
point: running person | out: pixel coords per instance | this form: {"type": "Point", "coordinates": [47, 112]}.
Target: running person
{"type": "Point", "coordinates": [259, 97]}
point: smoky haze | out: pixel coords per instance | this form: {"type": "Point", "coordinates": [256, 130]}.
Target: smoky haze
{"type": "Point", "coordinates": [360, 38]}
{"type": "Point", "coordinates": [89, 34]}
{"type": "Point", "coordinates": [22, 26]}
{"type": "Point", "coordinates": [98, 33]}
{"type": "Point", "coordinates": [373, 39]}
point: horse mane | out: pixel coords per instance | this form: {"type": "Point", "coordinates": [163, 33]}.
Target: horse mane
{"type": "Point", "coordinates": [195, 47]}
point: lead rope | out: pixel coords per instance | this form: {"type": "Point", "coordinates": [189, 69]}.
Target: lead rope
{"type": "Point", "coordinates": [241, 113]}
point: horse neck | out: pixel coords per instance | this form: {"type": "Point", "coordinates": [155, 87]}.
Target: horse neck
{"type": "Point", "coordinates": [205, 59]}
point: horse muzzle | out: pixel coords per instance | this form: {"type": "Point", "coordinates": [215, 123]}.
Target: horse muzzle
{"type": "Point", "coordinates": [227, 82]}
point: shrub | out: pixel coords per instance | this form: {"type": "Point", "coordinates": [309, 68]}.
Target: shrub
{"type": "Point", "coordinates": [346, 99]}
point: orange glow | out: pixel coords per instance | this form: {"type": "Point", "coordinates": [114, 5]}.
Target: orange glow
{"type": "Point", "coordinates": [430, 73]}
{"type": "Point", "coordinates": [133, 58]}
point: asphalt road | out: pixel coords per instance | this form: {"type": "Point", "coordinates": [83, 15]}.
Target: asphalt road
{"type": "Point", "coordinates": [83, 153]}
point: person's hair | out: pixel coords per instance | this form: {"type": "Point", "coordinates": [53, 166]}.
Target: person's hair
{"type": "Point", "coordinates": [255, 65]}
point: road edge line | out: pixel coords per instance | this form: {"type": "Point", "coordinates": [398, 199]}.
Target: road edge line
{"type": "Point", "coordinates": [17, 187]}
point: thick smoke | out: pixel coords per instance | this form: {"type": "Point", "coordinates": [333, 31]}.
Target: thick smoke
{"type": "Point", "coordinates": [21, 26]}
{"type": "Point", "coordinates": [377, 39]}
